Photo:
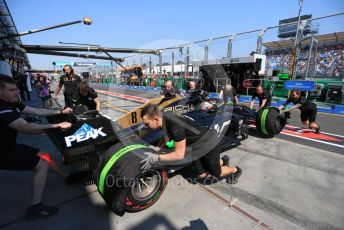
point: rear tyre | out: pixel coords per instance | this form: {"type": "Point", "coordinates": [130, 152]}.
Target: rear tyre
{"type": "Point", "coordinates": [269, 122]}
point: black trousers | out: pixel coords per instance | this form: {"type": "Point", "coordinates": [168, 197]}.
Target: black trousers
{"type": "Point", "coordinates": [68, 100]}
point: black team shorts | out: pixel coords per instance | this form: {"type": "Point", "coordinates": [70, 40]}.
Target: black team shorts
{"type": "Point", "coordinates": [209, 163]}
{"type": "Point", "coordinates": [19, 158]}
{"type": "Point", "coordinates": [309, 114]}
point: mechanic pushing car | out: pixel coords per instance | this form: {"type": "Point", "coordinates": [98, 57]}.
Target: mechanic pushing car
{"type": "Point", "coordinates": [192, 143]}
{"type": "Point", "coordinates": [85, 95]}
{"type": "Point", "coordinates": [20, 157]}
{"type": "Point", "coordinates": [264, 97]}
{"type": "Point", "coordinates": [308, 109]}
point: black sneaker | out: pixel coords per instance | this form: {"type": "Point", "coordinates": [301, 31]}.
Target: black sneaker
{"type": "Point", "coordinates": [39, 211]}
{"type": "Point", "coordinates": [225, 160]}
{"type": "Point", "coordinates": [317, 130]}
{"type": "Point", "coordinates": [234, 177]}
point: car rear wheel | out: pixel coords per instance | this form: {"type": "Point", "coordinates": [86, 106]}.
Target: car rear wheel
{"type": "Point", "coordinates": [269, 122]}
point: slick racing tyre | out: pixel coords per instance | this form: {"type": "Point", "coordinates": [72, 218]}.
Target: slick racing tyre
{"type": "Point", "coordinates": [269, 122]}
{"type": "Point", "coordinates": [121, 182]}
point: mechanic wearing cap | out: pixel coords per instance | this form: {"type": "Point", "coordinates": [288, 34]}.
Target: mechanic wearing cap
{"type": "Point", "coordinates": [20, 157]}
{"type": "Point", "coordinates": [264, 97]}
{"type": "Point", "coordinates": [308, 109]}
{"type": "Point", "coordinates": [192, 143]}
{"type": "Point", "coordinates": [85, 95]}
{"type": "Point", "coordinates": [70, 81]}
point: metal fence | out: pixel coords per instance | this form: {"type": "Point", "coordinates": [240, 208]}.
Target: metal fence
{"type": "Point", "coordinates": [232, 45]}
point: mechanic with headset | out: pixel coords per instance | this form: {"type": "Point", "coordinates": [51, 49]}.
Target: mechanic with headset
{"type": "Point", "coordinates": [70, 82]}
{"type": "Point", "coordinates": [192, 143]}
{"type": "Point", "coordinates": [20, 157]}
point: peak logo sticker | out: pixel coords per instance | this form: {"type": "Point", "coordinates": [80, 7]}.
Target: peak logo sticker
{"type": "Point", "coordinates": [84, 133]}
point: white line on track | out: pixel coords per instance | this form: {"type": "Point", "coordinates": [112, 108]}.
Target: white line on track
{"type": "Point", "coordinates": [310, 139]}
{"type": "Point", "coordinates": [336, 135]}
{"type": "Point", "coordinates": [306, 138]}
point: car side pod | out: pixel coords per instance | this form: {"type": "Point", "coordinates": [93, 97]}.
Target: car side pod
{"type": "Point", "coordinates": [269, 122]}
{"type": "Point", "coordinates": [122, 183]}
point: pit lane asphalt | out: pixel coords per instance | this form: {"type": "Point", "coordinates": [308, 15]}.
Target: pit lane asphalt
{"type": "Point", "coordinates": [284, 185]}
{"type": "Point", "coordinates": [311, 175]}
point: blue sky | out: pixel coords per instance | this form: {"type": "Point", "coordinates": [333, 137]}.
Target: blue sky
{"type": "Point", "coordinates": [156, 24]}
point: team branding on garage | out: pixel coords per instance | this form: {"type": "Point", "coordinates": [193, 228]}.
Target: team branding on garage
{"type": "Point", "coordinates": [84, 133]}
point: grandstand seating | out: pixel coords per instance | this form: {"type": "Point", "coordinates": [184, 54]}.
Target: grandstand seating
{"type": "Point", "coordinates": [329, 60]}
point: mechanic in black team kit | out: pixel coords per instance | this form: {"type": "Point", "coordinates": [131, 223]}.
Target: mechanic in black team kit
{"type": "Point", "coordinates": [192, 143]}
{"type": "Point", "coordinates": [264, 97]}
{"type": "Point", "coordinates": [19, 157]}
{"type": "Point", "coordinates": [87, 96]}
{"type": "Point", "coordinates": [308, 109]}
{"type": "Point", "coordinates": [228, 94]}
{"type": "Point", "coordinates": [70, 81]}
{"type": "Point", "coordinates": [168, 90]}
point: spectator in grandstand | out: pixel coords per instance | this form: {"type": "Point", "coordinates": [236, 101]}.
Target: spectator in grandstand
{"type": "Point", "coordinates": [308, 109]}
{"type": "Point", "coordinates": [169, 90]}
{"type": "Point", "coordinates": [264, 97]}
{"type": "Point", "coordinates": [228, 94]}
{"type": "Point", "coordinates": [70, 82]}
{"type": "Point", "coordinates": [85, 95]}
{"type": "Point", "coordinates": [328, 60]}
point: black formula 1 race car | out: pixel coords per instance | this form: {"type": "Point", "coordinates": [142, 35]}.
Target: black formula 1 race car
{"type": "Point", "coordinates": [109, 153]}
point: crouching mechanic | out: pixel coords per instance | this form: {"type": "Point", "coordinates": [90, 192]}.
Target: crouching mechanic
{"type": "Point", "coordinates": [192, 143]}
{"type": "Point", "coordinates": [85, 95]}
{"type": "Point", "coordinates": [308, 109]}
{"type": "Point", "coordinates": [19, 157]}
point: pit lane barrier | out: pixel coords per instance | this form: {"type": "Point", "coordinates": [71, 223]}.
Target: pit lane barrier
{"type": "Point", "coordinates": [332, 109]}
